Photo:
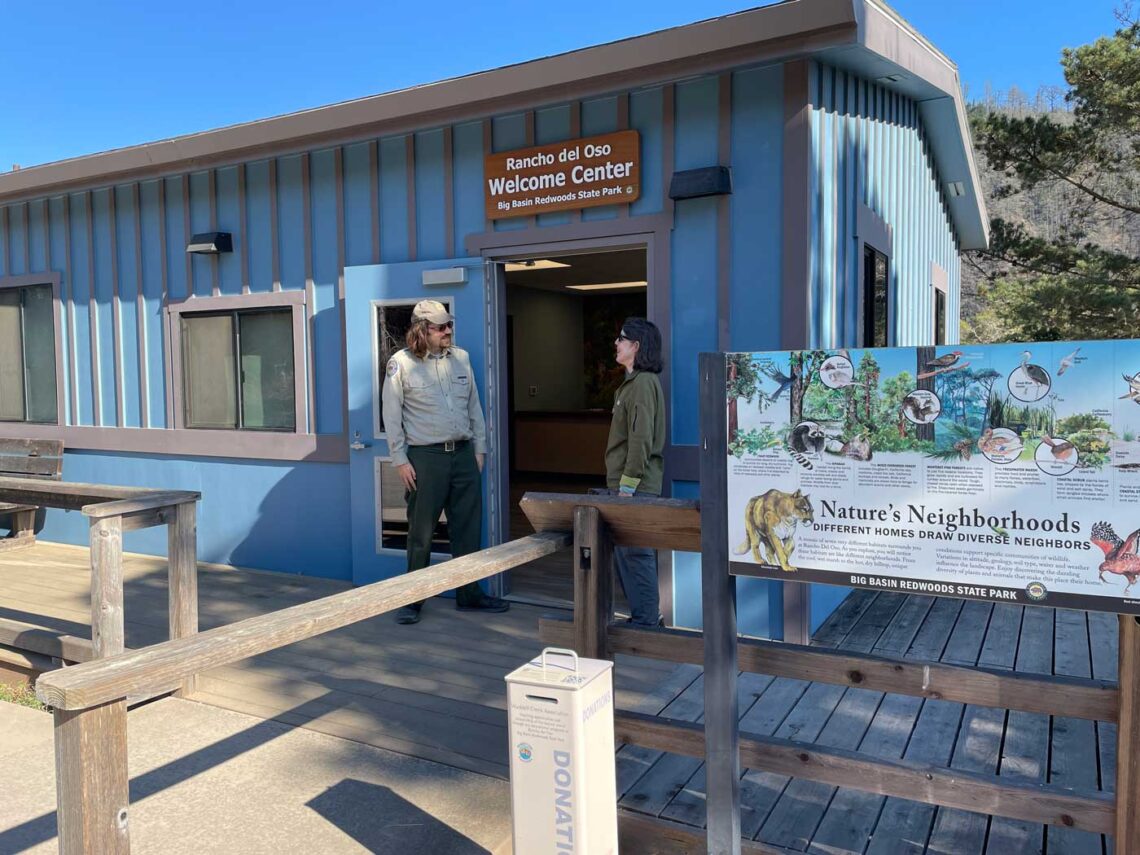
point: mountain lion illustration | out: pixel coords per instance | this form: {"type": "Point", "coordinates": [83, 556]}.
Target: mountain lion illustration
{"type": "Point", "coordinates": [770, 524]}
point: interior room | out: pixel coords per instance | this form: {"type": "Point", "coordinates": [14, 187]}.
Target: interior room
{"type": "Point", "coordinates": [563, 314]}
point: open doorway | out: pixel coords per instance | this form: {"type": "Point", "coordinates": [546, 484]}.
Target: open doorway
{"type": "Point", "coordinates": [563, 313]}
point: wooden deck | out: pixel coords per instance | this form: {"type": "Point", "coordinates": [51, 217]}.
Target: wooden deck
{"type": "Point", "coordinates": [436, 691]}
{"type": "Point", "coordinates": [798, 815]}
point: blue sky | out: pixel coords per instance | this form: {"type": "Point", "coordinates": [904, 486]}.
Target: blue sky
{"type": "Point", "coordinates": [82, 77]}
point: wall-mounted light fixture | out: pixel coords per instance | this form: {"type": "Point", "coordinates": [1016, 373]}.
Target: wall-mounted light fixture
{"type": "Point", "coordinates": [211, 243]}
{"type": "Point", "coordinates": [695, 183]}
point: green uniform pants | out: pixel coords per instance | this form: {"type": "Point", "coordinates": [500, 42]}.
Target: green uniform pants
{"type": "Point", "coordinates": [445, 481]}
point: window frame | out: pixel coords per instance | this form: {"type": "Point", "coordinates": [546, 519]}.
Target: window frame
{"type": "Point", "coordinates": [939, 284]}
{"type": "Point", "coordinates": [374, 307]}
{"type": "Point", "coordinates": [176, 393]}
{"type": "Point", "coordinates": [378, 463]}
{"type": "Point", "coordinates": [52, 280]}
{"type": "Point", "coordinates": [873, 232]}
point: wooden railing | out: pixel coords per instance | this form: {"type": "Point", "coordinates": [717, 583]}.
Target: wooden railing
{"type": "Point", "coordinates": [601, 522]}
{"type": "Point", "coordinates": [112, 511]}
{"type": "Point", "coordinates": [89, 700]}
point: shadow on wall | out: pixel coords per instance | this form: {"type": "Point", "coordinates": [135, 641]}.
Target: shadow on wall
{"type": "Point", "coordinates": [301, 526]}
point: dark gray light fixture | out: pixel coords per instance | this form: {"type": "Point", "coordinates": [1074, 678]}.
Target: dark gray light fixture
{"type": "Point", "coordinates": [694, 183]}
{"type": "Point", "coordinates": [211, 243]}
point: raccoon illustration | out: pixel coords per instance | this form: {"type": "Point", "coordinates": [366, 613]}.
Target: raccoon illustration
{"type": "Point", "coordinates": [806, 439]}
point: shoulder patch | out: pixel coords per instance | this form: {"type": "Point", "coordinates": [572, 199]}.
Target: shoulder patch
{"type": "Point", "coordinates": [393, 367]}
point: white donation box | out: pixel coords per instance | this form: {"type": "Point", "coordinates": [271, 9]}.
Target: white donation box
{"type": "Point", "coordinates": [563, 780]}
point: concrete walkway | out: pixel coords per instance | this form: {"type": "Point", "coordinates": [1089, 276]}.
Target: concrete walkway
{"type": "Point", "coordinates": [207, 780]}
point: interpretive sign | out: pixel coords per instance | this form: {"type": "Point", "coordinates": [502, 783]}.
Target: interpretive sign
{"type": "Point", "coordinates": [574, 174]}
{"type": "Point", "coordinates": [996, 472]}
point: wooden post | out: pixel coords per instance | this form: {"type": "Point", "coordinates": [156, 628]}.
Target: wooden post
{"type": "Point", "coordinates": [718, 610]}
{"type": "Point", "coordinates": [593, 583]}
{"type": "Point", "coordinates": [1127, 840]}
{"type": "Point", "coordinates": [91, 780]}
{"type": "Point", "coordinates": [182, 560]}
{"type": "Point", "coordinates": [107, 627]}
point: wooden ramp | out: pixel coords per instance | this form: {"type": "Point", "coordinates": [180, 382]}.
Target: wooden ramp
{"type": "Point", "coordinates": [798, 815]}
{"type": "Point", "coordinates": [434, 690]}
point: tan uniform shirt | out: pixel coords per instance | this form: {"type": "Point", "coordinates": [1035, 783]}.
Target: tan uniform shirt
{"type": "Point", "coordinates": [431, 400]}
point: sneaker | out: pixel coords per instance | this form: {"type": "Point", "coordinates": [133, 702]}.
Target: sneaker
{"type": "Point", "coordinates": [484, 604]}
{"type": "Point", "coordinates": [408, 614]}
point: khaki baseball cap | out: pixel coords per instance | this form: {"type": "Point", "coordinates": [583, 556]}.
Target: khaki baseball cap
{"type": "Point", "coordinates": [432, 311]}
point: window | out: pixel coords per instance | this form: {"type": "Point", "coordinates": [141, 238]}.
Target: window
{"type": "Point", "coordinates": [28, 385]}
{"type": "Point", "coordinates": [239, 370]}
{"type": "Point", "coordinates": [393, 319]}
{"type": "Point", "coordinates": [876, 298]}
{"type": "Point", "coordinates": [941, 287]}
{"type": "Point", "coordinates": [940, 317]}
{"type": "Point", "coordinates": [238, 362]}
{"type": "Point", "coordinates": [392, 502]}
{"type": "Point", "coordinates": [875, 310]}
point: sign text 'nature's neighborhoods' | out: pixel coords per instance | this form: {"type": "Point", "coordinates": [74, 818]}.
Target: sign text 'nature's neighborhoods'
{"type": "Point", "coordinates": [998, 472]}
{"type": "Point", "coordinates": [579, 173]}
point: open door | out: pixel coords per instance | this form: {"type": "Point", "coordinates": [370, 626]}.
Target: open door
{"type": "Point", "coordinates": [378, 303]}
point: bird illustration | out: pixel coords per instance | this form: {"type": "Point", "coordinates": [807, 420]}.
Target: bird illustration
{"type": "Point", "coordinates": [776, 374]}
{"type": "Point", "coordinates": [988, 443]}
{"type": "Point", "coordinates": [1067, 362]}
{"type": "Point", "coordinates": [1061, 449]}
{"type": "Point", "coordinates": [1120, 556]}
{"type": "Point", "coordinates": [1035, 373]}
{"type": "Point", "coordinates": [944, 361]}
{"type": "Point", "coordinates": [920, 411]}
{"type": "Point", "coordinates": [1000, 532]}
{"type": "Point", "coordinates": [1133, 393]}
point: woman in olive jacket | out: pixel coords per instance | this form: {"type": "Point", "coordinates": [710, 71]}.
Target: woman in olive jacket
{"type": "Point", "coordinates": [635, 460]}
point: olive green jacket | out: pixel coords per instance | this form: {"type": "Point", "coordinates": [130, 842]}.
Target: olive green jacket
{"type": "Point", "coordinates": [635, 449]}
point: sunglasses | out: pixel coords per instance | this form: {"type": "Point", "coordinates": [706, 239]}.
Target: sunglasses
{"type": "Point", "coordinates": [441, 327]}
{"type": "Point", "coordinates": [623, 337]}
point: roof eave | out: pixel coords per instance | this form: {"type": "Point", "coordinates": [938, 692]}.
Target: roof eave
{"type": "Point", "coordinates": [783, 31]}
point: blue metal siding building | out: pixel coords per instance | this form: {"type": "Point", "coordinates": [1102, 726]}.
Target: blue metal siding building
{"type": "Point", "coordinates": [824, 120]}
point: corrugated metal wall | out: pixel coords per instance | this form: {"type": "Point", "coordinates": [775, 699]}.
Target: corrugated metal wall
{"type": "Point", "coordinates": [869, 147]}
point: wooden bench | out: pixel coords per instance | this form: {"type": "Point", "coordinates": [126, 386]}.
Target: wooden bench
{"type": "Point", "coordinates": [26, 458]}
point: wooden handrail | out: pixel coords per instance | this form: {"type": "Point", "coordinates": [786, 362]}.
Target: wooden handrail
{"type": "Point", "coordinates": [1073, 697]}
{"type": "Point", "coordinates": [163, 667]}
{"type": "Point", "coordinates": [656, 523]}
{"type": "Point", "coordinates": [46, 642]}
{"type": "Point", "coordinates": [1014, 798]}
{"type": "Point", "coordinates": [137, 504]}
{"type": "Point", "coordinates": [75, 496]}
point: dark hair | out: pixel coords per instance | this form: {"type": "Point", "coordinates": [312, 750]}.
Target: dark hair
{"type": "Point", "coordinates": [646, 334]}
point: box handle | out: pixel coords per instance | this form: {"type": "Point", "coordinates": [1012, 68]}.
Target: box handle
{"type": "Point", "coordinates": [560, 651]}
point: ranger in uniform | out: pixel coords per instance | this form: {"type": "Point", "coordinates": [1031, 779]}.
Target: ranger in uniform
{"type": "Point", "coordinates": [437, 440]}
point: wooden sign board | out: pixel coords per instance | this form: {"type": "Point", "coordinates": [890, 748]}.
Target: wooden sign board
{"type": "Point", "coordinates": [569, 175]}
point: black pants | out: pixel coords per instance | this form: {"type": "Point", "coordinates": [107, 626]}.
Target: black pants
{"type": "Point", "coordinates": [445, 481]}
